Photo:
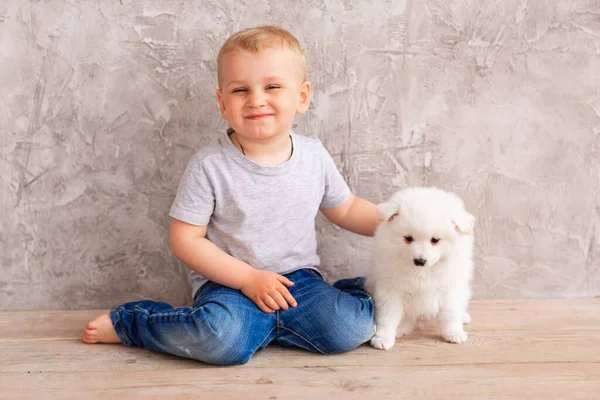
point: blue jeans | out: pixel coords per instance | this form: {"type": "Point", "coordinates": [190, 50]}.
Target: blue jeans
{"type": "Point", "coordinates": [225, 327]}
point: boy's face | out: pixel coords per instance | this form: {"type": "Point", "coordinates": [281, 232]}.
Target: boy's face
{"type": "Point", "coordinates": [260, 93]}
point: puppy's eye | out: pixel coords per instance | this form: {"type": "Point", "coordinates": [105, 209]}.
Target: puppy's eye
{"type": "Point", "coordinates": [435, 240]}
{"type": "Point", "coordinates": [408, 239]}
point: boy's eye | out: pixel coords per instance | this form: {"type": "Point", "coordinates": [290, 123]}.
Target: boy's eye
{"type": "Point", "coordinates": [408, 239]}
{"type": "Point", "coordinates": [435, 240]}
{"type": "Point", "coordinates": [238, 90]}
{"type": "Point", "coordinates": [271, 87]}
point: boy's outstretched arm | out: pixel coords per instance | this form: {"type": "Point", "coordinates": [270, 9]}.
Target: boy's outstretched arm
{"type": "Point", "coordinates": [265, 288]}
{"type": "Point", "coordinates": [356, 215]}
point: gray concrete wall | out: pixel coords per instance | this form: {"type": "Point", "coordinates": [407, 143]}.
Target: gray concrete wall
{"type": "Point", "coordinates": [103, 102]}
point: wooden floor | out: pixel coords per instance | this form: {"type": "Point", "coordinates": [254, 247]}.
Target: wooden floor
{"type": "Point", "coordinates": [535, 349]}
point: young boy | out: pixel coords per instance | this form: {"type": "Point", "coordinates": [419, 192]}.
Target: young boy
{"type": "Point", "coordinates": [243, 221]}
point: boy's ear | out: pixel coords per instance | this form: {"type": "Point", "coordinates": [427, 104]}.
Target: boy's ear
{"type": "Point", "coordinates": [304, 101]}
{"type": "Point", "coordinates": [387, 211]}
{"type": "Point", "coordinates": [220, 101]}
{"type": "Point", "coordinates": [463, 222]}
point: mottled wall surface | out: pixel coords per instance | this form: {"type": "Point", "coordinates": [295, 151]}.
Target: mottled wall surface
{"type": "Point", "coordinates": [103, 102]}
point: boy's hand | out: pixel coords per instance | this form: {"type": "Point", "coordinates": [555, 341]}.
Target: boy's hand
{"type": "Point", "coordinates": [268, 290]}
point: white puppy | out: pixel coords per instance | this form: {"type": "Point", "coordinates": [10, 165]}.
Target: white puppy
{"type": "Point", "coordinates": [422, 264]}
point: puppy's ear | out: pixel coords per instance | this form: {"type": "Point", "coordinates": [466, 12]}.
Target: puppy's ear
{"type": "Point", "coordinates": [387, 211]}
{"type": "Point", "coordinates": [464, 222]}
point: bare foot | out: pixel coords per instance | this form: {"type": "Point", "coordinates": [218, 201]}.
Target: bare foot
{"type": "Point", "coordinates": [100, 330]}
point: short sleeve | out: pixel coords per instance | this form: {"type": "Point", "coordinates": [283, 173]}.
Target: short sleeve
{"type": "Point", "coordinates": [336, 189]}
{"type": "Point", "coordinates": [195, 199]}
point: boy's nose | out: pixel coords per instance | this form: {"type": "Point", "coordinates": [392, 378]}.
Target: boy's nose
{"type": "Point", "coordinates": [256, 99]}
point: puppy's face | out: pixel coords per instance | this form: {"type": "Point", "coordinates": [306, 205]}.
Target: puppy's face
{"type": "Point", "coordinates": [423, 226]}
{"type": "Point", "coordinates": [416, 245]}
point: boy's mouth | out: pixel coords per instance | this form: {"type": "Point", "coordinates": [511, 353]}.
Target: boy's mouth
{"type": "Point", "coordinates": [258, 116]}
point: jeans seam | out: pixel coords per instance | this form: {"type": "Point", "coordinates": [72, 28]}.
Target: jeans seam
{"type": "Point", "coordinates": [262, 341]}
{"type": "Point", "coordinates": [305, 339]}
{"type": "Point", "coordinates": [126, 342]}
{"type": "Point", "coordinates": [138, 308]}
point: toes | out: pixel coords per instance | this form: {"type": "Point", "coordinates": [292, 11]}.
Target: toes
{"type": "Point", "coordinates": [91, 325]}
{"type": "Point", "coordinates": [98, 321]}
{"type": "Point", "coordinates": [456, 337]}
{"type": "Point", "coordinates": [85, 339]}
{"type": "Point", "coordinates": [89, 336]}
{"type": "Point", "coordinates": [383, 342]}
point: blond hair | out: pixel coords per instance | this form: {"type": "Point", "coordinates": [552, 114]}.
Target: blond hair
{"type": "Point", "coordinates": [259, 38]}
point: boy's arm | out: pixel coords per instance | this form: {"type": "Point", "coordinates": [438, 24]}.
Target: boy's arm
{"type": "Point", "coordinates": [355, 214]}
{"type": "Point", "coordinates": [267, 289]}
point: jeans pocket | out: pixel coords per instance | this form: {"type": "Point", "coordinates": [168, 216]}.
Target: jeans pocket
{"type": "Point", "coordinates": [202, 290]}
{"type": "Point", "coordinates": [313, 272]}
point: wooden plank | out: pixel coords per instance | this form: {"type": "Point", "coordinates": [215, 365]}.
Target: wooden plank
{"type": "Point", "coordinates": [542, 331]}
{"type": "Point", "coordinates": [488, 315]}
{"type": "Point", "coordinates": [498, 381]}
{"type": "Point", "coordinates": [565, 345]}
{"type": "Point", "coordinates": [517, 349]}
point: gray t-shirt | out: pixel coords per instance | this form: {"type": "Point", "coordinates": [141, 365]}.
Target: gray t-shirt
{"type": "Point", "coordinates": [264, 216]}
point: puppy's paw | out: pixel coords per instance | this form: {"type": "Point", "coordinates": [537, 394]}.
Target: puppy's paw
{"type": "Point", "coordinates": [466, 318]}
{"type": "Point", "coordinates": [455, 336]}
{"type": "Point", "coordinates": [383, 342]}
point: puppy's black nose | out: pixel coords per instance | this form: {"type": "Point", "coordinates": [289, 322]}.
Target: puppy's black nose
{"type": "Point", "coordinates": [419, 262]}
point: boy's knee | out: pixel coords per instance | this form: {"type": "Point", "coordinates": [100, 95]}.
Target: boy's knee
{"type": "Point", "coordinates": [353, 326]}
{"type": "Point", "coordinates": [232, 356]}
{"type": "Point", "coordinates": [358, 327]}
{"type": "Point", "coordinates": [351, 336]}
{"type": "Point", "coordinates": [225, 345]}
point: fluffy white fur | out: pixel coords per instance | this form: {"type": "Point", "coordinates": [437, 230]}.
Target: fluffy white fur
{"type": "Point", "coordinates": [405, 291]}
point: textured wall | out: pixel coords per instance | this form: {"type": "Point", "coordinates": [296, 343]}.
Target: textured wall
{"type": "Point", "coordinates": [103, 102]}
